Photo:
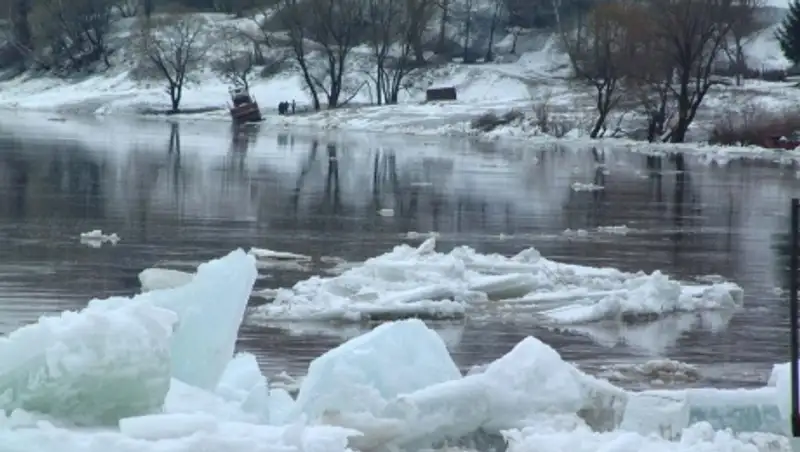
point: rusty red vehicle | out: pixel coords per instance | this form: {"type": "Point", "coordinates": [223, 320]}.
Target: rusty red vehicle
{"type": "Point", "coordinates": [244, 108]}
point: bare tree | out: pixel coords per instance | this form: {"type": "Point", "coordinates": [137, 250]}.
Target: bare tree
{"type": "Point", "coordinates": [174, 47]}
{"type": "Point", "coordinates": [295, 20]}
{"type": "Point", "coordinates": [420, 13]}
{"type": "Point", "coordinates": [237, 61]}
{"type": "Point", "coordinates": [127, 8]}
{"type": "Point", "coordinates": [384, 30]}
{"type": "Point", "coordinates": [690, 36]}
{"type": "Point", "coordinates": [598, 50]}
{"type": "Point", "coordinates": [444, 19]}
{"type": "Point", "coordinates": [467, 22]}
{"type": "Point", "coordinates": [70, 37]}
{"type": "Point", "coordinates": [18, 34]}
{"type": "Point", "coordinates": [332, 28]}
{"type": "Point", "coordinates": [515, 31]}
{"type": "Point", "coordinates": [744, 28]}
{"type": "Point", "coordinates": [388, 29]}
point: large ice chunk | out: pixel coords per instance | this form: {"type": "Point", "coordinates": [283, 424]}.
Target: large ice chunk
{"type": "Point", "coordinates": [364, 373]}
{"type": "Point", "coordinates": [210, 310]}
{"type": "Point", "coordinates": [531, 379]}
{"type": "Point", "coordinates": [108, 361]}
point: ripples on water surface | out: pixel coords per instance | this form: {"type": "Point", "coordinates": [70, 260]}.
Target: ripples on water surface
{"type": "Point", "coordinates": [188, 193]}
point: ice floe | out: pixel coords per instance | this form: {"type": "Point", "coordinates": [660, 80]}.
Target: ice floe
{"type": "Point", "coordinates": [418, 281]}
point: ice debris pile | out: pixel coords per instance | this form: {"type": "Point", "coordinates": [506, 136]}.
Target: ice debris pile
{"type": "Point", "coordinates": [421, 282]}
{"type": "Point", "coordinates": [157, 373]}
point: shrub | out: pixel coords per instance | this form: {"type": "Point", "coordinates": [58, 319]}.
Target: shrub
{"type": "Point", "coordinates": [754, 126]}
{"type": "Point", "coordinates": [490, 121]}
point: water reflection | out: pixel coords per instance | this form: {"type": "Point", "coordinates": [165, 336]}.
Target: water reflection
{"type": "Point", "coordinates": [654, 338]}
{"type": "Point", "coordinates": [185, 192]}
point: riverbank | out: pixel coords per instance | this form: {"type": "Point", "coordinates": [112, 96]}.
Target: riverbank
{"type": "Point", "coordinates": [527, 99]}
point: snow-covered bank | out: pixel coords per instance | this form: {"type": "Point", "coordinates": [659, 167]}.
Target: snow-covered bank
{"type": "Point", "coordinates": [486, 89]}
{"type": "Point", "coordinates": [533, 83]}
{"type": "Point", "coordinates": [394, 388]}
{"type": "Point", "coordinates": [418, 281]}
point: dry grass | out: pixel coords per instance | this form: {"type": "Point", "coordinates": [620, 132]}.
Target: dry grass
{"type": "Point", "coordinates": [754, 125]}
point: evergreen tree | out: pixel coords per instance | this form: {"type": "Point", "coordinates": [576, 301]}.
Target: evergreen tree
{"type": "Point", "coordinates": [788, 33]}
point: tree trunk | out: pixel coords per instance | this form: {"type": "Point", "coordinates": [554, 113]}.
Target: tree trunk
{"type": "Point", "coordinates": [492, 27]}
{"type": "Point", "coordinates": [175, 93]}
{"type": "Point", "coordinates": [440, 46]}
{"type": "Point", "coordinates": [467, 32]}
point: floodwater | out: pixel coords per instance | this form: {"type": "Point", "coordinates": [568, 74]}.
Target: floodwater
{"type": "Point", "coordinates": [181, 194]}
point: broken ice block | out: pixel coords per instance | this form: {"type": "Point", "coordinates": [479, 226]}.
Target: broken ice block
{"type": "Point", "coordinates": [163, 278]}
{"type": "Point", "coordinates": [668, 412]}
{"type": "Point", "coordinates": [740, 410]}
{"type": "Point", "coordinates": [530, 379]}
{"type": "Point", "coordinates": [663, 412]}
{"type": "Point", "coordinates": [109, 361]}
{"type": "Point", "coordinates": [364, 373]}
{"type": "Point", "coordinates": [210, 309]}
{"type": "Point", "coordinates": [243, 384]}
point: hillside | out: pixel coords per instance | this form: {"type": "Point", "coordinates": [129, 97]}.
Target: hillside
{"type": "Point", "coordinates": [534, 77]}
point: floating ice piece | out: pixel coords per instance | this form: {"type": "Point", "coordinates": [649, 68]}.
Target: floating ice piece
{"type": "Point", "coordinates": [244, 384]}
{"type": "Point", "coordinates": [576, 233]}
{"type": "Point", "coordinates": [210, 309]}
{"type": "Point", "coordinates": [106, 362]}
{"type": "Point", "coordinates": [163, 278]}
{"type": "Point", "coordinates": [96, 238]}
{"type": "Point", "coordinates": [386, 212]}
{"type": "Point", "coordinates": [264, 253]}
{"type": "Point", "coordinates": [364, 373]}
{"type": "Point", "coordinates": [284, 260]}
{"type": "Point", "coordinates": [621, 230]}
{"type": "Point", "coordinates": [578, 186]}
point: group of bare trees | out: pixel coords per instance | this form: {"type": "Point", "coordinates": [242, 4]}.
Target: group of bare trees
{"type": "Point", "coordinates": [660, 54]}
{"type": "Point", "coordinates": [321, 36]}
{"type": "Point", "coordinates": [58, 35]}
